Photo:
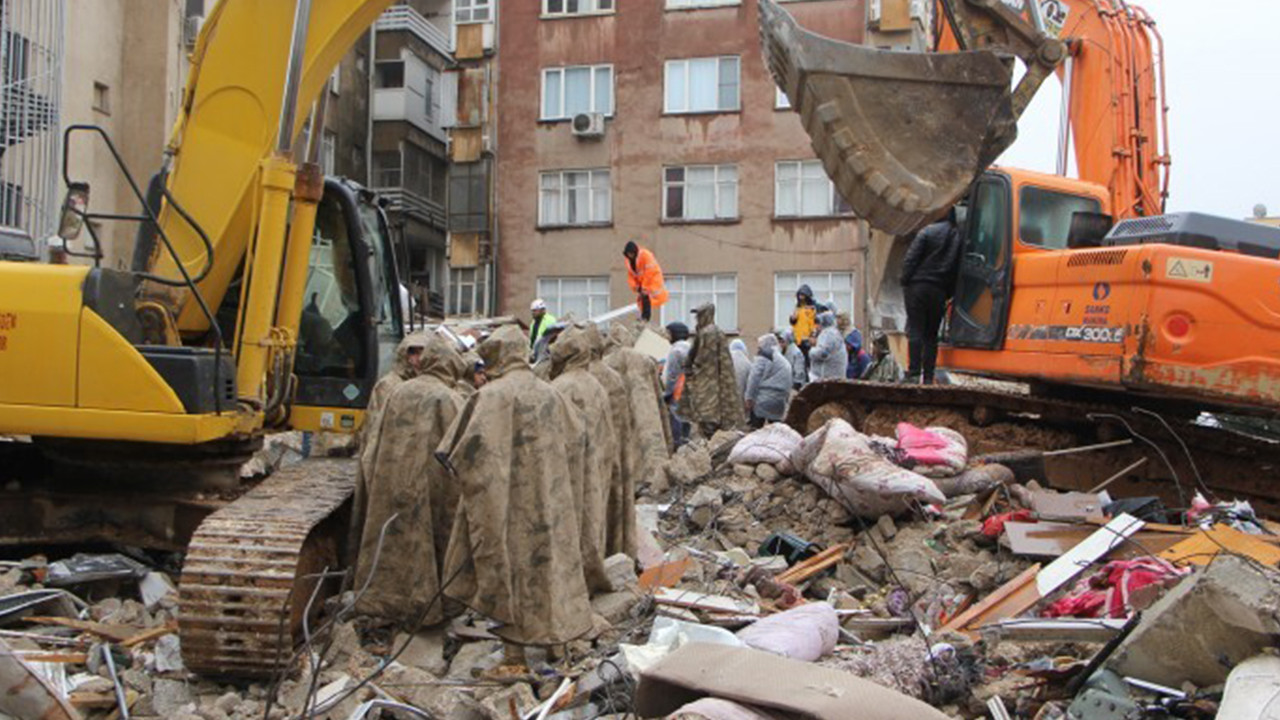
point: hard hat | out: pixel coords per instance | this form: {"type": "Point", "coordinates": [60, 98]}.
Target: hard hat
{"type": "Point", "coordinates": [538, 304]}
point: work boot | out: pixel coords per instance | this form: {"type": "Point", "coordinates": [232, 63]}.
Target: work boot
{"type": "Point", "coordinates": [910, 380]}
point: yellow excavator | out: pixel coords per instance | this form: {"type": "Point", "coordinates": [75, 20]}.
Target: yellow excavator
{"type": "Point", "coordinates": [260, 296]}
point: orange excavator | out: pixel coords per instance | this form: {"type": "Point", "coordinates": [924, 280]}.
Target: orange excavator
{"type": "Point", "coordinates": [1082, 288]}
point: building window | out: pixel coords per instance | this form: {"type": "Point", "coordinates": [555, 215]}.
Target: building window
{"type": "Point", "coordinates": [472, 11]}
{"type": "Point", "coordinates": [386, 169]}
{"type": "Point", "coordinates": [827, 288]}
{"type": "Point", "coordinates": [700, 192]}
{"type": "Point", "coordinates": [328, 159]}
{"type": "Point", "coordinates": [702, 85]}
{"type": "Point", "coordinates": [469, 197]}
{"type": "Point", "coordinates": [802, 189]}
{"type": "Point", "coordinates": [388, 74]}
{"type": "Point", "coordinates": [574, 197]}
{"type": "Point", "coordinates": [335, 80]}
{"type": "Point", "coordinates": [102, 98]}
{"type": "Point", "coordinates": [468, 291]}
{"type": "Point", "coordinates": [689, 291]}
{"type": "Point", "coordinates": [568, 91]}
{"type": "Point", "coordinates": [781, 101]}
{"type": "Point", "coordinates": [565, 8]}
{"type": "Point", "coordinates": [432, 94]}
{"type": "Point", "coordinates": [583, 297]}
{"type": "Point", "coordinates": [690, 4]}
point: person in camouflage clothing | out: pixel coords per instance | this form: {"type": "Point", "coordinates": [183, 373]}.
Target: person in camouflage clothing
{"type": "Point", "coordinates": [406, 481]}
{"type": "Point", "coordinates": [515, 552]}
{"type": "Point", "coordinates": [711, 399]}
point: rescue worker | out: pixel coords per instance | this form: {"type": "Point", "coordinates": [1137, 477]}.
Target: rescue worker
{"type": "Point", "coordinates": [570, 358]}
{"type": "Point", "coordinates": [673, 379]}
{"type": "Point", "coordinates": [884, 368]}
{"type": "Point", "coordinates": [711, 399]}
{"type": "Point", "coordinates": [540, 321]}
{"type": "Point", "coordinates": [404, 480]}
{"type": "Point", "coordinates": [828, 360]}
{"type": "Point", "coordinates": [515, 554]}
{"type": "Point", "coordinates": [769, 385]}
{"type": "Point", "coordinates": [928, 278]}
{"type": "Point", "coordinates": [644, 275]}
{"type": "Point", "coordinates": [804, 320]}
{"type": "Point", "coordinates": [741, 364]}
{"type": "Point", "coordinates": [799, 372]}
{"type": "Point", "coordinates": [646, 447]}
{"type": "Point", "coordinates": [619, 528]}
{"type": "Point", "coordinates": [859, 358]}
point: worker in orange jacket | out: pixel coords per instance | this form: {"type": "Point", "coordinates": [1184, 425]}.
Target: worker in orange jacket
{"type": "Point", "coordinates": [645, 278]}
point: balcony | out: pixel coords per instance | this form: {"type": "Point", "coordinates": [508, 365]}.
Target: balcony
{"type": "Point", "coordinates": [404, 18]}
{"type": "Point", "coordinates": [411, 204]}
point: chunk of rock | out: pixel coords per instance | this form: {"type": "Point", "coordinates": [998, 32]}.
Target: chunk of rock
{"type": "Point", "coordinates": [704, 505]}
{"type": "Point", "coordinates": [169, 697]}
{"type": "Point", "coordinates": [474, 658]}
{"type": "Point", "coordinates": [498, 705]}
{"type": "Point", "coordinates": [620, 569]}
{"type": "Point", "coordinates": [615, 607]}
{"type": "Point", "coordinates": [421, 689]}
{"type": "Point", "coordinates": [767, 472]}
{"type": "Point", "coordinates": [425, 651]}
{"type": "Point", "coordinates": [690, 462]}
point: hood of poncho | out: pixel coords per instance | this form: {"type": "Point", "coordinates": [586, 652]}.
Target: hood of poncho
{"type": "Point", "coordinates": [400, 365]}
{"type": "Point", "coordinates": [503, 351]}
{"type": "Point", "coordinates": [767, 344]}
{"type": "Point", "coordinates": [620, 336]}
{"type": "Point", "coordinates": [572, 350]}
{"type": "Point", "coordinates": [441, 360]}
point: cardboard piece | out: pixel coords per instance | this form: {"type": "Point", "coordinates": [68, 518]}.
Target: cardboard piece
{"type": "Point", "coordinates": [1069, 506]}
{"type": "Point", "coordinates": [667, 575]}
{"type": "Point", "coordinates": [652, 345]}
{"type": "Point", "coordinates": [1202, 547]}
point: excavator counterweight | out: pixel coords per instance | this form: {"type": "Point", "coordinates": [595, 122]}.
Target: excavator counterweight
{"type": "Point", "coordinates": [902, 135]}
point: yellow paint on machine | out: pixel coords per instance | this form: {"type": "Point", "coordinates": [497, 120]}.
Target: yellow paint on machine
{"type": "Point", "coordinates": [39, 333]}
{"type": "Point", "coordinates": [122, 425]}
{"type": "Point", "coordinates": [115, 376]}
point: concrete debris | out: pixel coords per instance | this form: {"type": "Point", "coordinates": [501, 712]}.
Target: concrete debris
{"type": "Point", "coordinates": [620, 570]}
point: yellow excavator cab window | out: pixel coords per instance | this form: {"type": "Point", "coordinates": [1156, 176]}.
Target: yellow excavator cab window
{"type": "Point", "coordinates": [329, 343]}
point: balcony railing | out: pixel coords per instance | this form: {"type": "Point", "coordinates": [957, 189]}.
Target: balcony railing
{"type": "Point", "coordinates": [408, 202]}
{"type": "Point", "coordinates": [404, 17]}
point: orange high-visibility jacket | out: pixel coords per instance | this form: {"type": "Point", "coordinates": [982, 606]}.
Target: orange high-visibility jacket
{"type": "Point", "coordinates": [646, 278]}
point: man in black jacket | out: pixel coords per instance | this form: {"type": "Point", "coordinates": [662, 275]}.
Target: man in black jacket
{"type": "Point", "coordinates": [928, 279]}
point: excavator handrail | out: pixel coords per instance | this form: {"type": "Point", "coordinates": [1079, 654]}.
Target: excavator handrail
{"type": "Point", "coordinates": [187, 280]}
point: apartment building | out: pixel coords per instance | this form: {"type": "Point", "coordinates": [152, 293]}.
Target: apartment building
{"type": "Point", "coordinates": [657, 121]}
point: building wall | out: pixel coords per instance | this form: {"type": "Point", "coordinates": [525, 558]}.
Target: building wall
{"type": "Point", "coordinates": [640, 141]}
{"type": "Point", "coordinates": [134, 49]}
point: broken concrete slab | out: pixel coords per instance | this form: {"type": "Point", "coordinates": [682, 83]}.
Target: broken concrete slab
{"type": "Point", "coordinates": [1203, 627]}
{"type": "Point", "coordinates": [475, 658]}
{"type": "Point", "coordinates": [620, 570]}
{"type": "Point", "coordinates": [425, 651]}
{"type": "Point", "coordinates": [518, 697]}
{"type": "Point", "coordinates": [615, 607]}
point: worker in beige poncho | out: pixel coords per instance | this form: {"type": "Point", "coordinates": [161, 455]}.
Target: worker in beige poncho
{"type": "Point", "coordinates": [648, 443]}
{"type": "Point", "coordinates": [620, 527]}
{"type": "Point", "coordinates": [407, 482]}
{"type": "Point", "coordinates": [515, 553]}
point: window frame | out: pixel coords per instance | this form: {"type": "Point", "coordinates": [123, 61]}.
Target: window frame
{"type": "Point", "coordinates": [837, 207]}
{"type": "Point", "coordinates": [555, 298]}
{"type": "Point", "coordinates": [716, 184]}
{"type": "Point", "coordinates": [329, 151]}
{"type": "Point", "coordinates": [563, 198]}
{"type": "Point", "coordinates": [548, 14]}
{"type": "Point", "coordinates": [1022, 198]}
{"type": "Point", "coordinates": [593, 91]}
{"type": "Point", "coordinates": [678, 5]}
{"type": "Point", "coordinates": [470, 9]}
{"type": "Point", "coordinates": [677, 293]}
{"type": "Point", "coordinates": [782, 306]}
{"type": "Point", "coordinates": [688, 85]}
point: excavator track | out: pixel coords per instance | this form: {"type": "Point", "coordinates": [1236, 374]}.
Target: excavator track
{"type": "Point", "coordinates": [1184, 456]}
{"type": "Point", "coordinates": [250, 569]}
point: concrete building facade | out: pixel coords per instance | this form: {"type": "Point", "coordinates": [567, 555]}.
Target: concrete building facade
{"type": "Point", "coordinates": [691, 153]}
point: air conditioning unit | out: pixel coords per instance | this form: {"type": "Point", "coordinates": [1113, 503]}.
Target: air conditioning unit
{"type": "Point", "coordinates": [191, 30]}
{"type": "Point", "coordinates": [588, 125]}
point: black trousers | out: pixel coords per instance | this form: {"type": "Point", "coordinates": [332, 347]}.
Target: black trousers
{"type": "Point", "coordinates": [646, 309]}
{"type": "Point", "coordinates": [925, 304]}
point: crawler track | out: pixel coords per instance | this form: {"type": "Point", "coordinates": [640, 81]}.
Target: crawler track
{"type": "Point", "coordinates": [245, 584]}
{"type": "Point", "coordinates": [1231, 465]}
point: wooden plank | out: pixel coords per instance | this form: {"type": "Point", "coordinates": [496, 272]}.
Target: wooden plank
{"type": "Point", "coordinates": [114, 633]}
{"type": "Point", "coordinates": [1053, 539]}
{"type": "Point", "coordinates": [807, 568]}
{"type": "Point", "coordinates": [1070, 505]}
{"type": "Point", "coordinates": [151, 634]}
{"type": "Point", "coordinates": [699, 601]}
{"type": "Point", "coordinates": [1011, 599]}
{"type": "Point", "coordinates": [1204, 546]}
{"type": "Point", "coordinates": [668, 574]}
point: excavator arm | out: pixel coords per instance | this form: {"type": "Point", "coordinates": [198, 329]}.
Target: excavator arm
{"type": "Point", "coordinates": [904, 135]}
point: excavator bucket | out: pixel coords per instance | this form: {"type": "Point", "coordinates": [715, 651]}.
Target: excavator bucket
{"type": "Point", "coordinates": [902, 134]}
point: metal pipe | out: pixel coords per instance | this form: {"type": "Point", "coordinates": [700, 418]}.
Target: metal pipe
{"type": "Point", "coordinates": [1064, 121]}
{"type": "Point", "coordinates": [293, 77]}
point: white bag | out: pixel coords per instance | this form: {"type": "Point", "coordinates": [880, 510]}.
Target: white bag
{"type": "Point", "coordinates": [772, 445]}
{"type": "Point", "coordinates": [842, 462]}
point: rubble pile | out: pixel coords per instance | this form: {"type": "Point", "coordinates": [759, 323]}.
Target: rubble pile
{"type": "Point", "coordinates": [979, 592]}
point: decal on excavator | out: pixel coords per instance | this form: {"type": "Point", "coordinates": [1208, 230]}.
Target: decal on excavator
{"type": "Point", "coordinates": [1068, 333]}
{"type": "Point", "coordinates": [1054, 13]}
{"type": "Point", "coordinates": [1176, 268]}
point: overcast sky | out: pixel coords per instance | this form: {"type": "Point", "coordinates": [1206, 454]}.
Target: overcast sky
{"type": "Point", "coordinates": [1224, 106]}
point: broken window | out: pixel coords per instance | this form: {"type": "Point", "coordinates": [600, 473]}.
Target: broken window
{"type": "Point", "coordinates": [574, 197]}
{"type": "Point", "coordinates": [802, 189]}
{"type": "Point", "coordinates": [568, 91]}
{"type": "Point", "coordinates": [702, 85]}
{"type": "Point", "coordinates": [700, 192]}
